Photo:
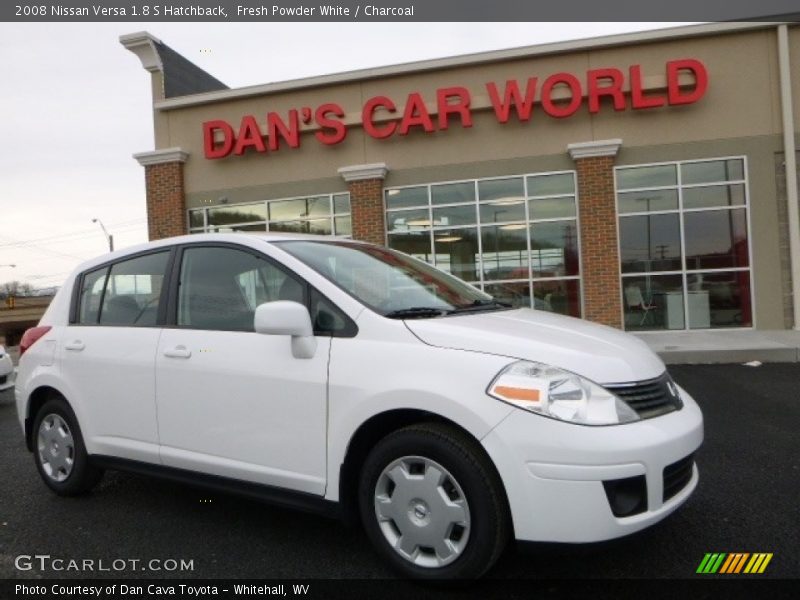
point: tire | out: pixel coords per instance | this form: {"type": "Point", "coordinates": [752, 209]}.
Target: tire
{"type": "Point", "coordinates": [432, 503]}
{"type": "Point", "coordinates": [59, 451]}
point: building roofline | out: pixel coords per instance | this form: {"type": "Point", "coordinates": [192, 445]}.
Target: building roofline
{"type": "Point", "coordinates": [623, 39]}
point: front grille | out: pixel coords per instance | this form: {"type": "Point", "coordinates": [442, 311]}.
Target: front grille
{"type": "Point", "coordinates": [649, 398]}
{"type": "Point", "coordinates": [677, 476]}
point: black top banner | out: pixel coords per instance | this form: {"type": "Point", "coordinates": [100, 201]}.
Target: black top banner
{"type": "Point", "coordinates": [395, 10]}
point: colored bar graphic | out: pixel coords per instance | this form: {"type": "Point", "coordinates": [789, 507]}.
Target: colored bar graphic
{"type": "Point", "coordinates": [734, 562]}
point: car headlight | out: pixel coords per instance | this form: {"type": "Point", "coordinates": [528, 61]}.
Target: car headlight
{"type": "Point", "coordinates": [559, 394]}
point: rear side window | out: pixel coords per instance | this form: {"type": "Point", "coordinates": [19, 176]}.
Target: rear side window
{"type": "Point", "coordinates": [133, 291]}
{"type": "Point", "coordinates": [94, 283]}
{"type": "Point", "coordinates": [220, 288]}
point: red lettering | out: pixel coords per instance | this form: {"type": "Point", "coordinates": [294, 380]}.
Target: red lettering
{"type": "Point", "coordinates": [674, 68]}
{"type": "Point", "coordinates": [415, 115]}
{"type": "Point", "coordinates": [513, 98]}
{"type": "Point", "coordinates": [277, 129]}
{"type": "Point", "coordinates": [368, 116]}
{"type": "Point", "coordinates": [333, 130]}
{"type": "Point", "coordinates": [210, 147]}
{"type": "Point", "coordinates": [460, 107]}
{"type": "Point", "coordinates": [249, 136]}
{"type": "Point", "coordinates": [613, 90]}
{"type": "Point", "coordinates": [638, 99]}
{"type": "Point", "coordinates": [559, 111]}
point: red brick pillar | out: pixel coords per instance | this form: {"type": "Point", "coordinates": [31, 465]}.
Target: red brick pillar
{"type": "Point", "coordinates": [365, 183]}
{"type": "Point", "coordinates": [166, 199]}
{"type": "Point", "coordinates": [594, 162]}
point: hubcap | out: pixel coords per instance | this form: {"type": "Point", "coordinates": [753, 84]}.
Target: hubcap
{"type": "Point", "coordinates": [422, 511]}
{"type": "Point", "coordinates": [56, 447]}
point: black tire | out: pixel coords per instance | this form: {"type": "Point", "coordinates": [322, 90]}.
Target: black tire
{"type": "Point", "coordinates": [466, 461]}
{"type": "Point", "coordinates": [83, 476]}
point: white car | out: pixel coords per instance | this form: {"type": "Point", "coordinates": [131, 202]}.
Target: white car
{"type": "Point", "coordinates": [6, 370]}
{"type": "Point", "coordinates": [347, 378]}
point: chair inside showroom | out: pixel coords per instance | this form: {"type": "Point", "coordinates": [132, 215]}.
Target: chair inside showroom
{"type": "Point", "coordinates": [635, 301]}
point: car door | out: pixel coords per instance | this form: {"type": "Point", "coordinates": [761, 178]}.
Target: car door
{"type": "Point", "coordinates": [232, 402]}
{"type": "Point", "coordinates": [108, 351]}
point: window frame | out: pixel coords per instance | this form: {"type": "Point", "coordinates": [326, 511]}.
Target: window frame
{"type": "Point", "coordinates": [679, 187]}
{"type": "Point", "coordinates": [478, 226]}
{"type": "Point", "coordinates": [74, 309]}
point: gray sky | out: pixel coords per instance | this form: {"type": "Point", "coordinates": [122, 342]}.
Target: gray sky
{"type": "Point", "coordinates": [76, 105]}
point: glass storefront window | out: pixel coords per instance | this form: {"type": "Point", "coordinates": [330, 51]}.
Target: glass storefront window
{"type": "Point", "coordinates": [314, 214]}
{"type": "Point", "coordinates": [685, 256]}
{"type": "Point", "coordinates": [494, 237]}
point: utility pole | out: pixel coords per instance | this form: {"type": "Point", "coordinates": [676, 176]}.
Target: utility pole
{"type": "Point", "coordinates": [109, 237]}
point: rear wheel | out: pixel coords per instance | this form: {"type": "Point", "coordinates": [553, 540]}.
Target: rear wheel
{"type": "Point", "coordinates": [432, 503]}
{"type": "Point", "coordinates": [59, 451]}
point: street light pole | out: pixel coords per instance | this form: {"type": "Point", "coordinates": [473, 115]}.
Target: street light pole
{"type": "Point", "coordinates": [109, 237]}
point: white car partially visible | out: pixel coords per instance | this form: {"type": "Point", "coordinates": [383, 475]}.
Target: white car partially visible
{"type": "Point", "coordinates": [6, 370]}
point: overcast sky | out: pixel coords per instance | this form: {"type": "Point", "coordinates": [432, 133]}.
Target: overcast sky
{"type": "Point", "coordinates": [76, 105]}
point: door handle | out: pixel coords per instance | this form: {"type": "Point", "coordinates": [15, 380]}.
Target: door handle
{"type": "Point", "coordinates": [178, 352]}
{"type": "Point", "coordinates": [75, 345]}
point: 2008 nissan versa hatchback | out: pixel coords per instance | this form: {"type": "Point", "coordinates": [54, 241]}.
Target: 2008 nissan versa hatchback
{"type": "Point", "coordinates": [336, 375]}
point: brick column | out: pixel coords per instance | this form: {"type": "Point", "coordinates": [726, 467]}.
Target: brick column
{"type": "Point", "coordinates": [166, 199]}
{"type": "Point", "coordinates": [594, 162]}
{"type": "Point", "coordinates": [365, 183]}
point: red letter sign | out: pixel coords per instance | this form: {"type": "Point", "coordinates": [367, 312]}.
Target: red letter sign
{"type": "Point", "coordinates": [368, 114]}
{"type": "Point", "coordinates": [336, 129]}
{"type": "Point", "coordinates": [210, 147]}
{"type": "Point", "coordinates": [512, 97]}
{"type": "Point", "coordinates": [674, 68]}
{"type": "Point", "coordinates": [460, 107]}
{"type": "Point", "coordinates": [614, 90]}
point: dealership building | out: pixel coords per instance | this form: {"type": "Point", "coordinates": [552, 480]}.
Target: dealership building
{"type": "Point", "coordinates": [646, 181]}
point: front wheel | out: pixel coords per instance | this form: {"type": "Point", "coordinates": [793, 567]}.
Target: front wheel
{"type": "Point", "coordinates": [432, 503]}
{"type": "Point", "coordinates": [59, 451]}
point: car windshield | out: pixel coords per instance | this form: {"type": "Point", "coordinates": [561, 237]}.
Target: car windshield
{"type": "Point", "coordinates": [389, 282]}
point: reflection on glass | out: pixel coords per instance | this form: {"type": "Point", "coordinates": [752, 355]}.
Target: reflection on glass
{"type": "Point", "coordinates": [256, 227]}
{"type": "Point", "coordinates": [515, 293]}
{"type": "Point", "coordinates": [457, 252]}
{"type": "Point", "coordinates": [716, 239]}
{"type": "Point", "coordinates": [552, 208]}
{"type": "Point", "coordinates": [317, 226]}
{"type": "Point", "coordinates": [417, 244]}
{"type": "Point", "coordinates": [715, 195]}
{"type": "Point", "coordinates": [559, 296]}
{"type": "Point", "coordinates": [554, 249]}
{"type": "Point", "coordinates": [405, 197]}
{"type": "Point", "coordinates": [454, 215]}
{"type": "Point", "coordinates": [653, 302]}
{"type": "Point", "coordinates": [712, 171]}
{"type": "Point", "coordinates": [652, 200]}
{"type": "Point", "coordinates": [451, 193]}
{"type": "Point", "coordinates": [343, 226]}
{"type": "Point", "coordinates": [650, 243]}
{"type": "Point", "coordinates": [341, 203]}
{"type": "Point", "coordinates": [501, 189]}
{"type": "Point", "coordinates": [505, 253]}
{"type": "Point", "coordinates": [551, 185]}
{"type": "Point", "coordinates": [644, 177]}
{"type": "Point", "coordinates": [196, 218]}
{"type": "Point", "coordinates": [239, 213]}
{"type": "Point", "coordinates": [299, 208]}
{"type": "Point", "coordinates": [719, 300]}
{"type": "Point", "coordinates": [408, 220]}
{"type": "Point", "coordinates": [499, 211]}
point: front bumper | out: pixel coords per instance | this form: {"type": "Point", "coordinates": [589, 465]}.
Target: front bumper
{"type": "Point", "coordinates": [554, 471]}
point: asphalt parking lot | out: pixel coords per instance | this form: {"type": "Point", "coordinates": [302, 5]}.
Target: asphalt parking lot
{"type": "Point", "coordinates": [747, 501]}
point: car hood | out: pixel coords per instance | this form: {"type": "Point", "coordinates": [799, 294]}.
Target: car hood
{"type": "Point", "coordinates": [597, 352]}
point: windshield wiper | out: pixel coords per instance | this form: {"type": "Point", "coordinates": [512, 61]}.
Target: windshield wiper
{"type": "Point", "coordinates": [416, 312]}
{"type": "Point", "coordinates": [479, 305]}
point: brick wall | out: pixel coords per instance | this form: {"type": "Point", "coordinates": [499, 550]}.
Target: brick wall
{"type": "Point", "coordinates": [599, 249]}
{"type": "Point", "coordinates": [366, 207]}
{"type": "Point", "coordinates": [166, 205]}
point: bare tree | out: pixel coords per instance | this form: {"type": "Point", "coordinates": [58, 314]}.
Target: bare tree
{"type": "Point", "coordinates": [16, 289]}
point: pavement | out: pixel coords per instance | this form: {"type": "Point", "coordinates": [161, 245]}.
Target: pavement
{"type": "Point", "coordinates": [724, 346]}
{"type": "Point", "coordinates": [746, 502]}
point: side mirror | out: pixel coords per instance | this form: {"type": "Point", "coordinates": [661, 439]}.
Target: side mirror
{"type": "Point", "coordinates": [284, 317]}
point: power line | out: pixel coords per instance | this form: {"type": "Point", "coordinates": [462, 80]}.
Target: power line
{"type": "Point", "coordinates": [14, 242]}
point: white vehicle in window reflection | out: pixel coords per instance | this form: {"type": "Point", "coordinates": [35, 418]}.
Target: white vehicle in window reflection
{"type": "Point", "coordinates": [6, 370]}
{"type": "Point", "coordinates": [349, 379]}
